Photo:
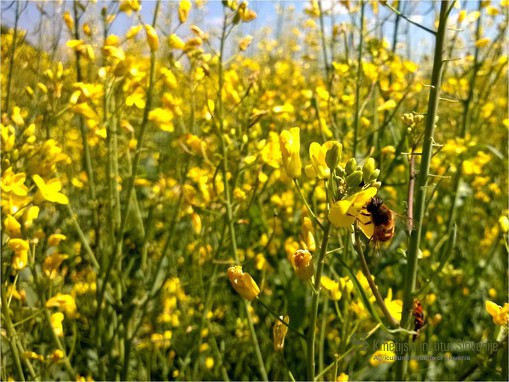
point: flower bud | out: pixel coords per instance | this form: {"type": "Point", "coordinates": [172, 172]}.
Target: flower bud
{"type": "Point", "coordinates": [307, 235]}
{"type": "Point", "coordinates": [354, 179]}
{"type": "Point", "coordinates": [289, 141]}
{"type": "Point", "coordinates": [302, 262]}
{"type": "Point", "coordinates": [374, 174]}
{"type": "Point", "coordinates": [153, 39]}
{"type": "Point", "coordinates": [243, 283]}
{"type": "Point", "coordinates": [333, 156]}
{"type": "Point", "coordinates": [351, 166]}
{"type": "Point", "coordinates": [280, 331]}
{"type": "Point", "coordinates": [367, 169]}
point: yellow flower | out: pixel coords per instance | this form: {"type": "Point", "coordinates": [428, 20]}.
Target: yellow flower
{"type": "Point", "coordinates": [32, 355]}
{"type": "Point", "coordinates": [500, 314]}
{"type": "Point", "coordinates": [56, 356]}
{"type": "Point", "coordinates": [307, 236]}
{"type": "Point", "coordinates": [302, 262]}
{"type": "Point", "coordinates": [29, 215]}
{"type": "Point", "coordinates": [128, 6]}
{"type": "Point", "coordinates": [344, 212]}
{"type": "Point", "coordinates": [271, 152]}
{"type": "Point", "coordinates": [52, 263]}
{"type": "Point", "coordinates": [289, 142]}
{"type": "Point", "coordinates": [14, 183]}
{"type": "Point", "coordinates": [384, 355]}
{"type": "Point", "coordinates": [65, 303]}
{"type": "Point", "coordinates": [209, 363]}
{"type": "Point", "coordinates": [342, 377]}
{"type": "Point", "coordinates": [12, 226]}
{"type": "Point", "coordinates": [153, 39]}
{"type": "Point", "coordinates": [20, 248]}
{"type": "Point", "coordinates": [279, 330]}
{"type": "Point", "coordinates": [55, 239]}
{"type": "Point", "coordinates": [184, 8]}
{"type": "Point", "coordinates": [504, 223]}
{"type": "Point", "coordinates": [49, 191]}
{"type": "Point", "coordinates": [161, 340]}
{"type": "Point", "coordinates": [243, 283]}
{"type": "Point", "coordinates": [395, 306]}
{"type": "Point", "coordinates": [333, 288]}
{"type": "Point", "coordinates": [56, 323]}
{"type": "Point", "coordinates": [176, 42]}
{"type": "Point", "coordinates": [318, 167]}
{"type": "Point", "coordinates": [162, 118]}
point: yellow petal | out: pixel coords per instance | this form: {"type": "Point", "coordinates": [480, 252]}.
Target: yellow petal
{"type": "Point", "coordinates": [338, 214]}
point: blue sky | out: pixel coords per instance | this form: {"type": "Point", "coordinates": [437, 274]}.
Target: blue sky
{"type": "Point", "coordinates": [210, 18]}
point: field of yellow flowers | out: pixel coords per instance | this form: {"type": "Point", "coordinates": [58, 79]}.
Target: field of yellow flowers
{"type": "Point", "coordinates": [190, 191]}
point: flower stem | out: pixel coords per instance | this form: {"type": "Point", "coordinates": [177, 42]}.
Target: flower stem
{"type": "Point", "coordinates": [358, 82]}
{"type": "Point", "coordinates": [297, 185]}
{"type": "Point", "coordinates": [314, 304]}
{"type": "Point", "coordinates": [229, 210]}
{"type": "Point", "coordinates": [259, 300]}
{"type": "Point", "coordinates": [422, 181]}
{"type": "Point", "coordinates": [365, 270]}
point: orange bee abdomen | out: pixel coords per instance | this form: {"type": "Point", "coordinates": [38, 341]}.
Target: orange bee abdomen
{"type": "Point", "coordinates": [383, 220]}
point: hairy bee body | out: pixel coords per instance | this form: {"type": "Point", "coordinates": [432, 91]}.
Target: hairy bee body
{"type": "Point", "coordinates": [383, 220]}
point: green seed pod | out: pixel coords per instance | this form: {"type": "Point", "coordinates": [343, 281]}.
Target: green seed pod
{"type": "Point", "coordinates": [351, 166]}
{"type": "Point", "coordinates": [367, 169]}
{"type": "Point", "coordinates": [354, 179]}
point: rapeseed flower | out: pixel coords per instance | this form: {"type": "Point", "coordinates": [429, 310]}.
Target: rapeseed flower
{"type": "Point", "coordinates": [302, 262]}
{"type": "Point", "coordinates": [243, 283]}
{"type": "Point", "coordinates": [289, 142]}
{"type": "Point", "coordinates": [500, 314]}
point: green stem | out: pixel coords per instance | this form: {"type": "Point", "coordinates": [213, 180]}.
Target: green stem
{"type": "Point", "coordinates": [365, 270]}
{"type": "Point", "coordinates": [358, 84]}
{"type": "Point", "coordinates": [11, 331]}
{"type": "Point", "coordinates": [422, 182]}
{"type": "Point", "coordinates": [296, 331]}
{"type": "Point", "coordinates": [229, 210]}
{"type": "Point", "coordinates": [314, 304]}
{"type": "Point", "coordinates": [83, 129]}
{"type": "Point", "coordinates": [11, 55]}
{"type": "Point", "coordinates": [397, 12]}
{"type": "Point", "coordinates": [134, 171]}
{"type": "Point", "coordinates": [301, 194]}
{"type": "Point", "coordinates": [83, 239]}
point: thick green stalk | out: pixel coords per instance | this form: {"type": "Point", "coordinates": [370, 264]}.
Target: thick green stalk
{"type": "Point", "coordinates": [315, 302]}
{"type": "Point", "coordinates": [227, 195]}
{"type": "Point", "coordinates": [422, 181]}
{"type": "Point", "coordinates": [358, 84]}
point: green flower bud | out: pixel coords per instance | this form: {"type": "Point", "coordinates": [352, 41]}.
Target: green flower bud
{"type": "Point", "coordinates": [367, 169]}
{"type": "Point", "coordinates": [374, 174]}
{"type": "Point", "coordinates": [351, 166]}
{"type": "Point", "coordinates": [333, 156]}
{"type": "Point", "coordinates": [354, 179]}
{"type": "Point", "coordinates": [377, 184]}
